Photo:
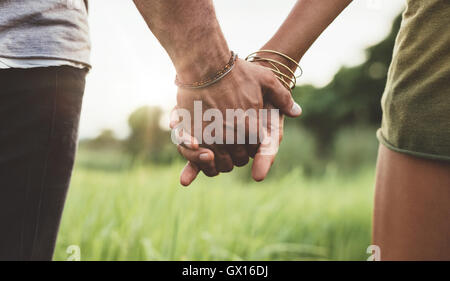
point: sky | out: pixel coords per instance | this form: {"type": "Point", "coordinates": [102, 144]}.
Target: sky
{"type": "Point", "coordinates": [131, 69]}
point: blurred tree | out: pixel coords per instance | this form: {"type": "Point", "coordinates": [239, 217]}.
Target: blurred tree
{"type": "Point", "coordinates": [147, 140]}
{"type": "Point", "coordinates": [105, 140]}
{"type": "Point", "coordinates": [351, 98]}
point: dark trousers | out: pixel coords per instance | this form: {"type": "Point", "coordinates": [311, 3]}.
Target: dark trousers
{"type": "Point", "coordinates": [39, 116]}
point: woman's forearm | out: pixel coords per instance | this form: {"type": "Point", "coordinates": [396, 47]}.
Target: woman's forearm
{"type": "Point", "coordinates": [307, 20]}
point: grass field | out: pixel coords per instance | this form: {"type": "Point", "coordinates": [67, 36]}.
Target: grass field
{"type": "Point", "coordinates": [142, 213]}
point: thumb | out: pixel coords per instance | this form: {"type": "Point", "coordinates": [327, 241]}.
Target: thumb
{"type": "Point", "coordinates": [264, 157]}
{"type": "Point", "coordinates": [281, 97]}
{"type": "Point", "coordinates": [261, 166]}
{"type": "Point", "coordinates": [189, 173]}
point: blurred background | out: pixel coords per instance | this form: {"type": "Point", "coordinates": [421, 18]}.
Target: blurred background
{"type": "Point", "coordinates": [125, 200]}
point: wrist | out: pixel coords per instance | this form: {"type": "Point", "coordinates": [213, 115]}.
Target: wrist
{"type": "Point", "coordinates": [282, 65]}
{"type": "Point", "coordinates": [280, 59]}
{"type": "Point", "coordinates": [211, 78]}
{"type": "Point", "coordinates": [287, 49]}
{"type": "Point", "coordinates": [198, 61]}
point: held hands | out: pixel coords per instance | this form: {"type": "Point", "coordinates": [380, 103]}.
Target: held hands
{"type": "Point", "coordinates": [191, 35]}
{"type": "Point", "coordinates": [248, 88]}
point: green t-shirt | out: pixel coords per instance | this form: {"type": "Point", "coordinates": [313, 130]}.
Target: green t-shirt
{"type": "Point", "coordinates": [416, 101]}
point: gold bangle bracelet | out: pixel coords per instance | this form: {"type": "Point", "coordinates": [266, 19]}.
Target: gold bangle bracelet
{"type": "Point", "coordinates": [293, 79]}
{"type": "Point", "coordinates": [290, 85]}
{"type": "Point", "coordinates": [252, 57]}
{"type": "Point", "coordinates": [284, 56]}
{"type": "Point", "coordinates": [282, 74]}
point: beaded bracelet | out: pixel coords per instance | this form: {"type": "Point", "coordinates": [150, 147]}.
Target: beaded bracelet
{"type": "Point", "coordinates": [213, 79]}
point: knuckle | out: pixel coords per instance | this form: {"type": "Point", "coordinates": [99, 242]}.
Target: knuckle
{"type": "Point", "coordinates": [225, 167]}
{"type": "Point", "coordinates": [252, 149]}
{"type": "Point", "coordinates": [224, 164]}
{"type": "Point", "coordinates": [287, 98]}
{"type": "Point", "coordinates": [228, 169]}
{"type": "Point", "coordinates": [210, 173]}
{"type": "Point", "coordinates": [272, 81]}
{"type": "Point", "coordinates": [241, 161]}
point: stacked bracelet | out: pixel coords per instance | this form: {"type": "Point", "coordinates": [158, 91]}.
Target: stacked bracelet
{"type": "Point", "coordinates": [291, 79]}
{"type": "Point", "coordinates": [213, 79]}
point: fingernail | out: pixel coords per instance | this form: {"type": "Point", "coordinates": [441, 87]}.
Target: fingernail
{"type": "Point", "coordinates": [296, 109]}
{"type": "Point", "coordinates": [204, 157]}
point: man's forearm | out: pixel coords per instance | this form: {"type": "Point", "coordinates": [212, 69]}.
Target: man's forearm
{"type": "Point", "coordinates": [190, 33]}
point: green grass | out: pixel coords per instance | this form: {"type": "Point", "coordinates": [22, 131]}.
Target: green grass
{"type": "Point", "coordinates": [116, 213]}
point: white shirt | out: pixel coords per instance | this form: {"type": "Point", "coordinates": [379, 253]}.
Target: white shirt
{"type": "Point", "coordinates": [6, 63]}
